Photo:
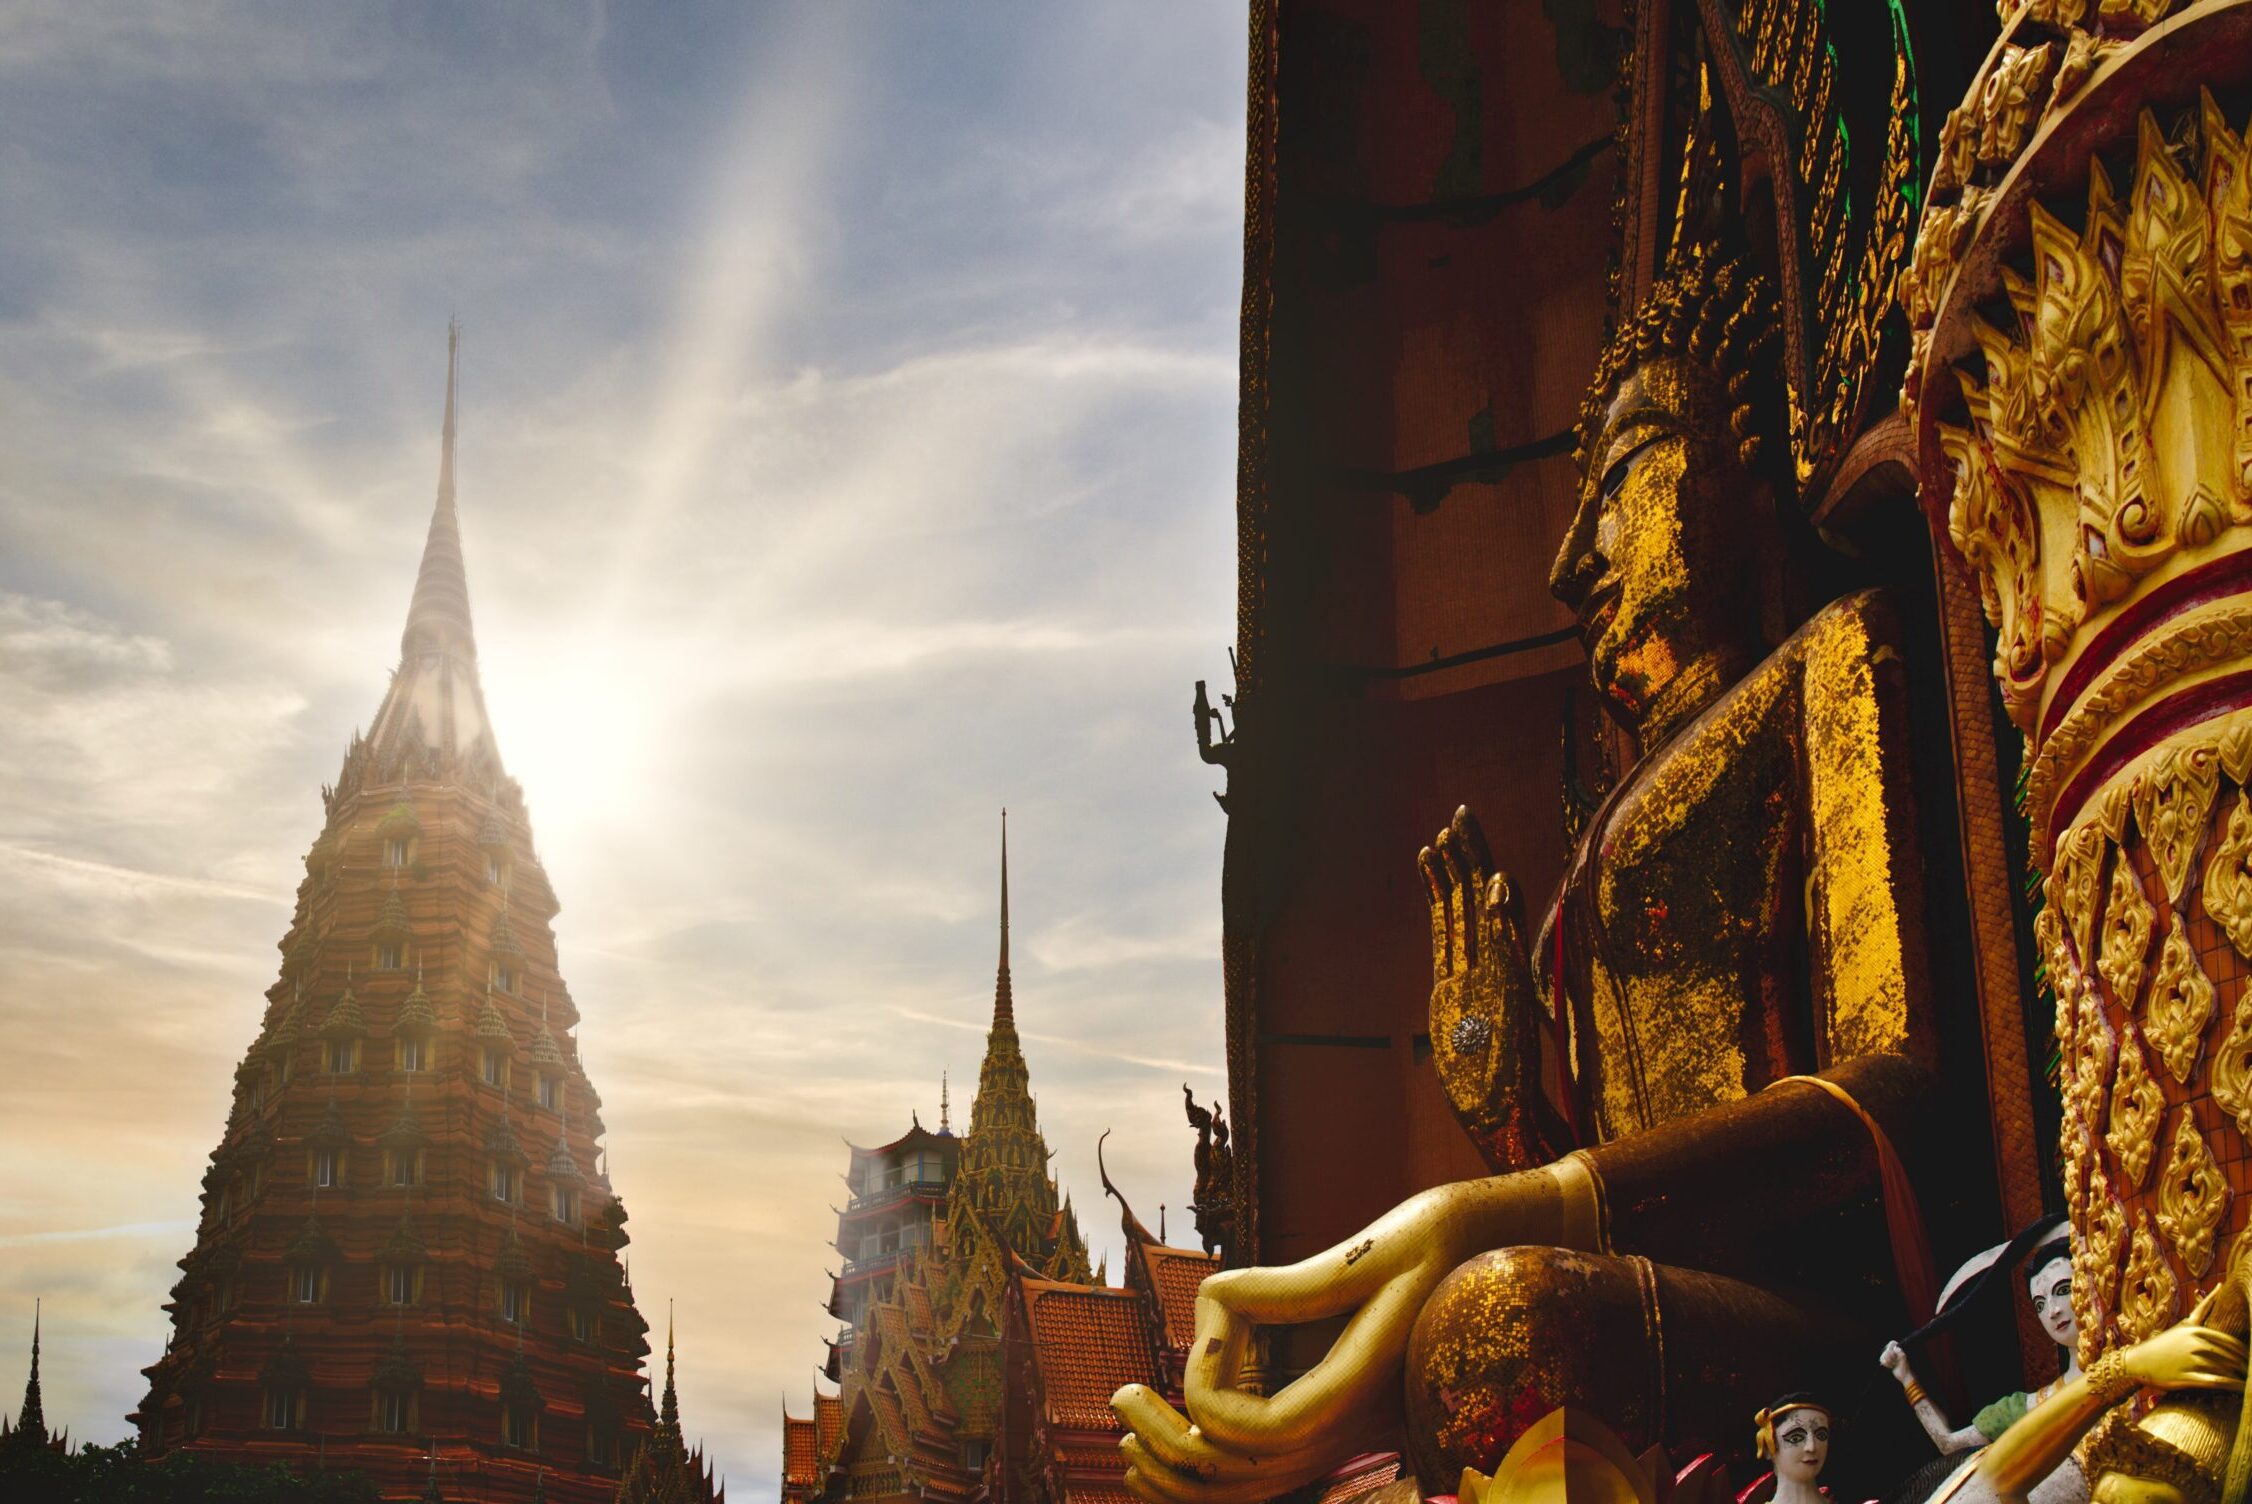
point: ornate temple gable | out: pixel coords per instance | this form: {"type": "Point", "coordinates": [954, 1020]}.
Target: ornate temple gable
{"type": "Point", "coordinates": [410, 1183]}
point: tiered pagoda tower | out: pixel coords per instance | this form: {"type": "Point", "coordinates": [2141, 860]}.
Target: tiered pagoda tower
{"type": "Point", "coordinates": [936, 1229]}
{"type": "Point", "coordinates": [408, 1257]}
{"type": "Point", "coordinates": [1003, 1176]}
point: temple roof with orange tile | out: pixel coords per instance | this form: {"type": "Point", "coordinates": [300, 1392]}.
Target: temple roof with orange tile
{"type": "Point", "coordinates": [800, 1450]}
{"type": "Point", "coordinates": [1175, 1275]}
{"type": "Point", "coordinates": [1086, 1342]}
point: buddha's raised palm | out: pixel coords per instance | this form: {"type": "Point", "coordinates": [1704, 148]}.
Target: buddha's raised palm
{"type": "Point", "coordinates": [1234, 1446]}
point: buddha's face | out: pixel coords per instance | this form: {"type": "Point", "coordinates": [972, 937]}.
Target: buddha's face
{"type": "Point", "coordinates": [2051, 1289]}
{"type": "Point", "coordinates": [1802, 1444]}
{"type": "Point", "coordinates": [1659, 561]}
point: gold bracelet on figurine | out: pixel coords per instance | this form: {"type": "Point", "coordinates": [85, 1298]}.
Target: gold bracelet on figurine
{"type": "Point", "coordinates": [2109, 1381]}
{"type": "Point", "coordinates": [1915, 1392]}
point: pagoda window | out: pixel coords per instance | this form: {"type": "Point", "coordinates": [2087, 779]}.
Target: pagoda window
{"type": "Point", "coordinates": [586, 1326]}
{"type": "Point", "coordinates": [328, 1169]}
{"type": "Point", "coordinates": [492, 867]}
{"type": "Point", "coordinates": [519, 1426]}
{"type": "Point", "coordinates": [398, 851]}
{"type": "Point", "coordinates": [504, 977]}
{"type": "Point", "coordinates": [308, 1284]}
{"type": "Point", "coordinates": [601, 1445]}
{"type": "Point", "coordinates": [390, 955]}
{"type": "Point", "coordinates": [413, 1052]}
{"type": "Point", "coordinates": [551, 1091]}
{"type": "Point", "coordinates": [515, 1301]}
{"type": "Point", "coordinates": [402, 1166]}
{"type": "Point", "coordinates": [496, 1066]}
{"type": "Point", "coordinates": [226, 1206]}
{"type": "Point", "coordinates": [343, 1056]}
{"type": "Point", "coordinates": [394, 1411]}
{"type": "Point", "coordinates": [973, 1454]}
{"type": "Point", "coordinates": [284, 1408]}
{"type": "Point", "coordinates": [564, 1202]}
{"type": "Point", "coordinates": [402, 1284]}
{"type": "Point", "coordinates": [500, 1179]}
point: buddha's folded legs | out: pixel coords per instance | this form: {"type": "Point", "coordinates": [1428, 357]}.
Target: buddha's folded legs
{"type": "Point", "coordinates": [1661, 1355]}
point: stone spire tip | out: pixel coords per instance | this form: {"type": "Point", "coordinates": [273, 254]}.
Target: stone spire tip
{"type": "Point", "coordinates": [438, 617]}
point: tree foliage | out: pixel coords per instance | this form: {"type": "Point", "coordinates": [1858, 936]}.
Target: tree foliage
{"type": "Point", "coordinates": [119, 1475]}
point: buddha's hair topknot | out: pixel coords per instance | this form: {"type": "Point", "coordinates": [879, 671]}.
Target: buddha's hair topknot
{"type": "Point", "coordinates": [1710, 312]}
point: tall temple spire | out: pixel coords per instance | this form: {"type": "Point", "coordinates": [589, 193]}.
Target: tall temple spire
{"type": "Point", "coordinates": [1004, 1005]}
{"type": "Point", "coordinates": [31, 1420]}
{"type": "Point", "coordinates": [438, 619]}
{"type": "Point", "coordinates": [669, 1415]}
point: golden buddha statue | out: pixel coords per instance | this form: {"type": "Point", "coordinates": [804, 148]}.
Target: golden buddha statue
{"type": "Point", "coordinates": [1729, 922]}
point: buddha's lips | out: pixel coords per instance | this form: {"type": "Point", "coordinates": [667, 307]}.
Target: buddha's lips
{"type": "Point", "coordinates": [1596, 611]}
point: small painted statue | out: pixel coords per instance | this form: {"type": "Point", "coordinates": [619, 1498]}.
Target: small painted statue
{"type": "Point", "coordinates": [1794, 1434]}
{"type": "Point", "coordinates": [2049, 1286]}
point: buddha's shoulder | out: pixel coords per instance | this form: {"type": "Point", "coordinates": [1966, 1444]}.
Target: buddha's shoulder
{"type": "Point", "coordinates": [1845, 643]}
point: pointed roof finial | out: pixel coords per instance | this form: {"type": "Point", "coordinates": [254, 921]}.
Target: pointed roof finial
{"type": "Point", "coordinates": [669, 1416]}
{"type": "Point", "coordinates": [438, 617]}
{"type": "Point", "coordinates": [31, 1421]}
{"type": "Point", "coordinates": [945, 1108]}
{"type": "Point", "coordinates": [1004, 1005]}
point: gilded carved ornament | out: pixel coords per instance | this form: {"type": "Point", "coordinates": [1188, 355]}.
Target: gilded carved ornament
{"type": "Point", "coordinates": [2149, 1296]}
{"type": "Point", "coordinates": [2231, 1075]}
{"type": "Point", "coordinates": [2095, 1279]}
{"type": "Point", "coordinates": [2228, 882]}
{"type": "Point", "coordinates": [2136, 1106]}
{"type": "Point", "coordinates": [2072, 884]}
{"type": "Point", "coordinates": [2193, 1196]}
{"type": "Point", "coordinates": [2127, 923]}
{"type": "Point", "coordinates": [2180, 1005]}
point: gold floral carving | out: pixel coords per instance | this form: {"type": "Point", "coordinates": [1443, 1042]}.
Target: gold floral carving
{"type": "Point", "coordinates": [2134, 12]}
{"type": "Point", "coordinates": [1992, 526]}
{"type": "Point", "coordinates": [2192, 1196]}
{"type": "Point", "coordinates": [2127, 923]}
{"type": "Point", "coordinates": [2228, 877]}
{"type": "Point", "coordinates": [2231, 1076]}
{"type": "Point", "coordinates": [2095, 1257]}
{"type": "Point", "coordinates": [2181, 1004]}
{"type": "Point", "coordinates": [2149, 1297]}
{"type": "Point", "coordinates": [2071, 888]}
{"type": "Point", "coordinates": [2136, 1106]}
{"type": "Point", "coordinates": [2011, 101]}
{"type": "Point", "coordinates": [2093, 1070]}
{"type": "Point", "coordinates": [2057, 13]}
{"type": "Point", "coordinates": [2172, 799]}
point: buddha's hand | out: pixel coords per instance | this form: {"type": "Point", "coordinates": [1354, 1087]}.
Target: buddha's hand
{"type": "Point", "coordinates": [2188, 1355]}
{"type": "Point", "coordinates": [1895, 1358]}
{"type": "Point", "coordinates": [1235, 1447]}
{"type": "Point", "coordinates": [1484, 1003]}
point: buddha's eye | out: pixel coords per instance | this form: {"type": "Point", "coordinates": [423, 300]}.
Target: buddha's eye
{"type": "Point", "coordinates": [1623, 466]}
{"type": "Point", "coordinates": [1796, 1435]}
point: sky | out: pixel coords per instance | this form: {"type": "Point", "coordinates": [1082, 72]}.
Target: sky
{"type": "Point", "coordinates": [846, 452]}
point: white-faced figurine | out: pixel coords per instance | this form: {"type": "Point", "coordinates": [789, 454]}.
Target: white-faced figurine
{"type": "Point", "coordinates": [1794, 1433]}
{"type": "Point", "coordinates": [2049, 1286]}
